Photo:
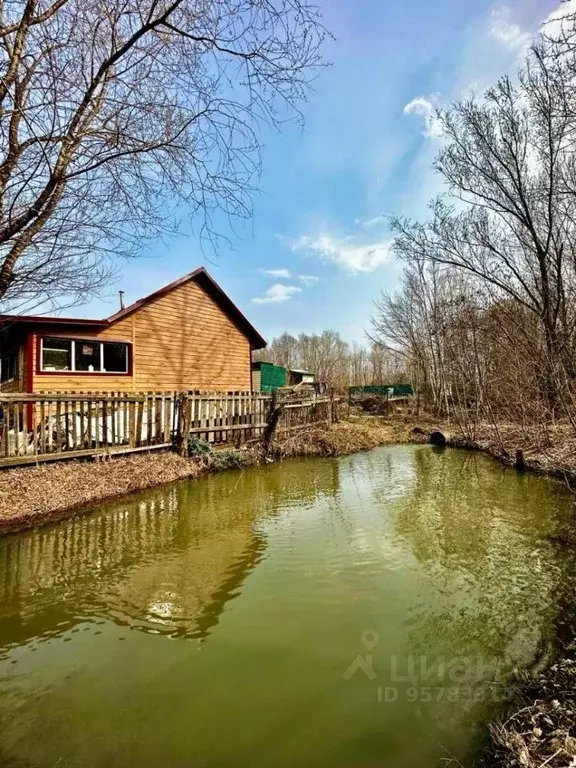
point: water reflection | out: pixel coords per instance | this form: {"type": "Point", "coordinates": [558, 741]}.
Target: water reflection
{"type": "Point", "coordinates": [166, 563]}
{"type": "Point", "coordinates": [485, 538]}
{"type": "Point", "coordinates": [276, 574]}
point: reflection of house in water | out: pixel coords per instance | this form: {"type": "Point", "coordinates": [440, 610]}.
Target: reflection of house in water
{"type": "Point", "coordinates": [167, 563]}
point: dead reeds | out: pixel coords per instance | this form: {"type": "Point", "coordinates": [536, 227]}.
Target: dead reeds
{"type": "Point", "coordinates": [339, 439]}
{"type": "Point", "coordinates": [543, 731]}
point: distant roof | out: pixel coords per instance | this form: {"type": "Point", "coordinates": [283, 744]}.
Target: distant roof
{"type": "Point", "coordinates": [299, 370]}
{"type": "Point", "coordinates": [257, 363]}
{"type": "Point", "coordinates": [200, 275]}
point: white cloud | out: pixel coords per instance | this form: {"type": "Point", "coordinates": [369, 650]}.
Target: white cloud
{"type": "Point", "coordinates": [426, 108]}
{"type": "Point", "coordinates": [506, 31]}
{"type": "Point", "coordinates": [376, 221]}
{"type": "Point", "coordinates": [279, 274]}
{"type": "Point", "coordinates": [555, 22]}
{"type": "Point", "coordinates": [344, 252]}
{"type": "Point", "coordinates": [308, 280]}
{"type": "Point", "coordinates": [277, 293]}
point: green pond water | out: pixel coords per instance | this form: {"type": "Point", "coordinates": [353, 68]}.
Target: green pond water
{"type": "Point", "coordinates": [361, 611]}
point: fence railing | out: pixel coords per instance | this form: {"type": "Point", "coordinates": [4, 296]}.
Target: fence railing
{"type": "Point", "coordinates": [50, 426]}
{"type": "Point", "coordinates": [310, 411]}
{"type": "Point", "coordinates": [219, 417]}
{"type": "Point", "coordinates": [46, 425]}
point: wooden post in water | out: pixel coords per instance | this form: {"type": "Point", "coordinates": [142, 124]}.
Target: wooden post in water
{"type": "Point", "coordinates": [520, 464]}
{"type": "Point", "coordinates": [276, 411]}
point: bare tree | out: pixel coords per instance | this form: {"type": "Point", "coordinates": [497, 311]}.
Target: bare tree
{"type": "Point", "coordinates": [109, 108]}
{"type": "Point", "coordinates": [509, 160]}
{"type": "Point", "coordinates": [334, 361]}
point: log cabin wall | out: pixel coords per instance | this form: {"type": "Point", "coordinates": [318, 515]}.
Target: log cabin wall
{"type": "Point", "coordinates": [181, 340]}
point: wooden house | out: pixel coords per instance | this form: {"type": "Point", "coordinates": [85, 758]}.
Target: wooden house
{"type": "Point", "coordinates": [187, 335]}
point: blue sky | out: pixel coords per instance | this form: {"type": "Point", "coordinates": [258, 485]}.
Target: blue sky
{"type": "Point", "coordinates": [365, 153]}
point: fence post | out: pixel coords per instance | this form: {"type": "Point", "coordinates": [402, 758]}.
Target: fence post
{"type": "Point", "coordinates": [183, 423]}
{"type": "Point", "coordinates": [276, 411]}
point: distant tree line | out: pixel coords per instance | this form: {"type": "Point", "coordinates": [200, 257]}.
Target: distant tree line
{"type": "Point", "coordinates": [485, 317]}
{"type": "Point", "coordinates": [333, 360]}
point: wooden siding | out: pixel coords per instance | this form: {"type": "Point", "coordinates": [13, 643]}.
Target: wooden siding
{"type": "Point", "coordinates": [182, 340]}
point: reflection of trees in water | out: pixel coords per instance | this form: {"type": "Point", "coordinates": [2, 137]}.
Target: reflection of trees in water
{"type": "Point", "coordinates": [168, 562]}
{"type": "Point", "coordinates": [482, 536]}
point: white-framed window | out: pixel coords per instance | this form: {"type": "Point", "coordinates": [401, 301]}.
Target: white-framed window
{"type": "Point", "coordinates": [83, 355]}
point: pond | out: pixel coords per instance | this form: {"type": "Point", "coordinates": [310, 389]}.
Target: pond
{"type": "Point", "coordinates": [361, 611]}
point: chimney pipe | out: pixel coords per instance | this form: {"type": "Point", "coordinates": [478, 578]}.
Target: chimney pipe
{"type": "Point", "coordinates": [121, 293]}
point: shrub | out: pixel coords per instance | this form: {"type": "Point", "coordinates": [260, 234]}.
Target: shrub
{"type": "Point", "coordinates": [197, 447]}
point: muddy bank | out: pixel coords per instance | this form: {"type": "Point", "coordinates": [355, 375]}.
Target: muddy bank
{"type": "Point", "coordinates": [550, 451]}
{"type": "Point", "coordinates": [38, 495]}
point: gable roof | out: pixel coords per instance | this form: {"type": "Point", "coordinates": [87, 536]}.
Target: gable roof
{"type": "Point", "coordinates": [210, 285]}
{"type": "Point", "coordinates": [199, 275]}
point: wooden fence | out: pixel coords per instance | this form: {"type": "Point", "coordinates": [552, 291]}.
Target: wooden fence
{"type": "Point", "coordinates": [221, 417]}
{"type": "Point", "coordinates": [51, 426]}
{"type": "Point", "coordinates": [296, 415]}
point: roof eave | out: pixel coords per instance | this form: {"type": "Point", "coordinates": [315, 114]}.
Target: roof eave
{"type": "Point", "coordinates": [256, 340]}
{"type": "Point", "coordinates": [39, 320]}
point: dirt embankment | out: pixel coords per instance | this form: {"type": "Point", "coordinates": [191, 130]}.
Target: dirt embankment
{"type": "Point", "coordinates": [342, 438]}
{"type": "Point", "coordinates": [549, 450]}
{"type": "Point", "coordinates": [34, 496]}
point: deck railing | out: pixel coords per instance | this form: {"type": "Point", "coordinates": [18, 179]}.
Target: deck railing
{"type": "Point", "coordinates": [50, 426]}
{"type": "Point", "coordinates": [45, 426]}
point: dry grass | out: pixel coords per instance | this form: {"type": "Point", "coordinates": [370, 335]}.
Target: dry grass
{"type": "Point", "coordinates": [339, 439]}
{"type": "Point", "coordinates": [32, 496]}
{"type": "Point", "coordinates": [544, 731]}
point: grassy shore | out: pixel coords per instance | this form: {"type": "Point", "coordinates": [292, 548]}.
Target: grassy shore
{"type": "Point", "coordinates": [38, 495]}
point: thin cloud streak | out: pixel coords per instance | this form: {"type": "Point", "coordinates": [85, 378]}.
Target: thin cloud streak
{"type": "Point", "coordinates": [280, 274]}
{"type": "Point", "coordinates": [344, 252]}
{"type": "Point", "coordinates": [277, 294]}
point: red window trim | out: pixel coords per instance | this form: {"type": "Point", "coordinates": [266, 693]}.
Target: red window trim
{"type": "Point", "coordinates": [71, 374]}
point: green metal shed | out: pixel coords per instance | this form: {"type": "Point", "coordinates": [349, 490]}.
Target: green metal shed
{"type": "Point", "coordinates": [266, 377]}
